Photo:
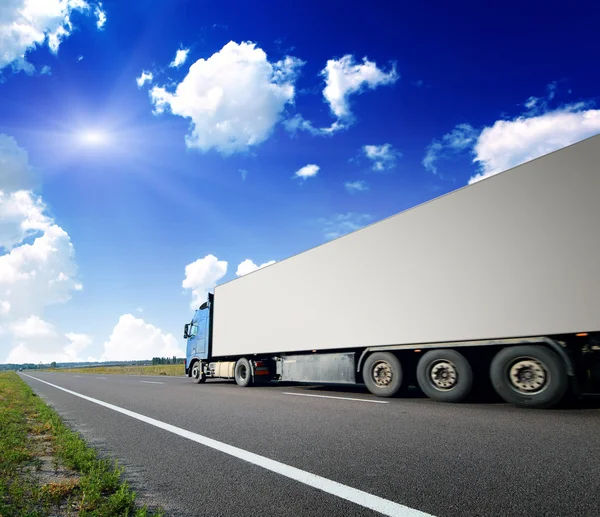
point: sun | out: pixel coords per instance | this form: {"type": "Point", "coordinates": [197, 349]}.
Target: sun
{"type": "Point", "coordinates": [94, 137]}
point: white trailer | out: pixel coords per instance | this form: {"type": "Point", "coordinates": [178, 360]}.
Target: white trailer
{"type": "Point", "coordinates": [499, 280]}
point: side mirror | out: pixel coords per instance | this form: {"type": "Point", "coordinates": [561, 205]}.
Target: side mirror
{"type": "Point", "coordinates": [185, 331]}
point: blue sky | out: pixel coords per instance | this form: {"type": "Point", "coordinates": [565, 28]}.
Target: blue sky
{"type": "Point", "coordinates": [279, 127]}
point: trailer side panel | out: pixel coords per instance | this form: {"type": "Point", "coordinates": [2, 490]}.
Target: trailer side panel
{"type": "Point", "coordinates": [517, 254]}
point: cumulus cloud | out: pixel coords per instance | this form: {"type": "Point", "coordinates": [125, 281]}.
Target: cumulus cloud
{"type": "Point", "coordinates": [35, 340]}
{"type": "Point", "coordinates": [460, 138]}
{"type": "Point", "coordinates": [341, 224]}
{"type": "Point", "coordinates": [508, 143]}
{"type": "Point", "coordinates": [383, 156]}
{"type": "Point", "coordinates": [180, 57]}
{"type": "Point", "coordinates": [344, 77]}
{"type": "Point", "coordinates": [21, 215]}
{"type": "Point", "coordinates": [134, 339]}
{"type": "Point", "coordinates": [37, 262]}
{"type": "Point", "coordinates": [233, 99]}
{"type": "Point", "coordinates": [145, 77]}
{"type": "Point", "coordinates": [202, 276]}
{"type": "Point", "coordinates": [247, 266]}
{"type": "Point", "coordinates": [308, 171]}
{"type": "Point", "coordinates": [356, 186]}
{"type": "Point", "coordinates": [27, 24]}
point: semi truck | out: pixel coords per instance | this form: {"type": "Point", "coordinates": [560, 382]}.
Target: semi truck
{"type": "Point", "coordinates": [494, 284]}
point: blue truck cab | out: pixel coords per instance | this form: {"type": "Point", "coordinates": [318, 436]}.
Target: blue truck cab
{"type": "Point", "coordinates": [198, 335]}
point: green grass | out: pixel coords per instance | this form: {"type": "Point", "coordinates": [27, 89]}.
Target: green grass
{"type": "Point", "coordinates": [94, 488]}
{"type": "Point", "coordinates": [171, 370]}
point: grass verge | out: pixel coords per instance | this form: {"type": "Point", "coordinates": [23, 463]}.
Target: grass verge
{"type": "Point", "coordinates": [47, 469]}
{"type": "Point", "coordinates": [172, 370]}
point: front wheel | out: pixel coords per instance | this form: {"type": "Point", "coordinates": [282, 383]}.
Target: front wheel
{"type": "Point", "coordinates": [529, 376]}
{"type": "Point", "coordinates": [382, 374]}
{"type": "Point", "coordinates": [197, 373]}
{"type": "Point", "coordinates": [243, 373]}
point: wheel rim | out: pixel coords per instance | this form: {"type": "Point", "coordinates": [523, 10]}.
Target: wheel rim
{"type": "Point", "coordinates": [243, 371]}
{"type": "Point", "coordinates": [528, 375]}
{"type": "Point", "coordinates": [443, 375]}
{"type": "Point", "coordinates": [195, 371]}
{"type": "Point", "coordinates": [382, 374]}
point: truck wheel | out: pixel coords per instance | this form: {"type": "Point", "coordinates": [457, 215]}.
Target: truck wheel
{"type": "Point", "coordinates": [529, 376]}
{"type": "Point", "coordinates": [243, 373]}
{"type": "Point", "coordinates": [197, 373]}
{"type": "Point", "coordinates": [382, 374]}
{"type": "Point", "coordinates": [445, 375]}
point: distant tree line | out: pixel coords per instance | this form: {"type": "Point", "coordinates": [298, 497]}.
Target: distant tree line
{"type": "Point", "coordinates": [167, 360]}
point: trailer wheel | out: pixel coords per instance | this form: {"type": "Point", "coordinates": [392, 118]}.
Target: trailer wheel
{"type": "Point", "coordinates": [529, 376]}
{"type": "Point", "coordinates": [243, 372]}
{"type": "Point", "coordinates": [382, 374]}
{"type": "Point", "coordinates": [197, 373]}
{"type": "Point", "coordinates": [445, 375]}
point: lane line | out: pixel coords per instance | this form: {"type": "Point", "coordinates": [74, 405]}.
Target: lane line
{"type": "Point", "coordinates": [152, 382]}
{"type": "Point", "coordinates": [364, 499]}
{"type": "Point", "coordinates": [101, 378]}
{"type": "Point", "coordinates": [338, 398]}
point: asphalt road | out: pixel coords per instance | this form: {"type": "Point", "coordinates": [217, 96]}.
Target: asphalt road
{"type": "Point", "coordinates": [474, 459]}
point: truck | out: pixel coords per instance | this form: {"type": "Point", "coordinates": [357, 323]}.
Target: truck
{"type": "Point", "coordinates": [494, 284]}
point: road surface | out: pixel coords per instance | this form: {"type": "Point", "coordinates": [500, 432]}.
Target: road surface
{"type": "Point", "coordinates": [216, 449]}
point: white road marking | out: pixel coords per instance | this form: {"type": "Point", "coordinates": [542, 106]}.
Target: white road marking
{"type": "Point", "coordinates": [364, 499]}
{"type": "Point", "coordinates": [101, 378]}
{"type": "Point", "coordinates": [330, 397]}
{"type": "Point", "coordinates": [78, 376]}
{"type": "Point", "coordinates": [152, 382]}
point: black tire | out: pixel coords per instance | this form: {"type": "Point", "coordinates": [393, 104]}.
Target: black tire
{"type": "Point", "coordinates": [546, 387]}
{"type": "Point", "coordinates": [445, 375]}
{"type": "Point", "coordinates": [387, 368]}
{"type": "Point", "coordinates": [197, 374]}
{"type": "Point", "coordinates": [243, 372]}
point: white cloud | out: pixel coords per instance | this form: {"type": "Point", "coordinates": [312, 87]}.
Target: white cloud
{"type": "Point", "coordinates": [36, 340]}
{"type": "Point", "coordinates": [100, 16]}
{"type": "Point", "coordinates": [202, 276]}
{"type": "Point", "coordinates": [459, 139]}
{"type": "Point", "coordinates": [244, 174]}
{"type": "Point", "coordinates": [383, 156]}
{"type": "Point", "coordinates": [37, 263]}
{"type": "Point", "coordinates": [15, 171]}
{"type": "Point", "coordinates": [146, 77]}
{"type": "Point", "coordinates": [508, 143]}
{"type": "Point", "coordinates": [247, 266]}
{"type": "Point", "coordinates": [180, 57]}
{"type": "Point", "coordinates": [33, 276]}
{"type": "Point", "coordinates": [27, 24]}
{"type": "Point", "coordinates": [356, 186]}
{"type": "Point", "coordinates": [308, 171]}
{"type": "Point", "coordinates": [233, 99]}
{"type": "Point", "coordinates": [299, 123]}
{"type": "Point", "coordinates": [341, 224]}
{"type": "Point", "coordinates": [134, 339]}
{"type": "Point", "coordinates": [344, 77]}
{"type": "Point", "coordinates": [21, 215]}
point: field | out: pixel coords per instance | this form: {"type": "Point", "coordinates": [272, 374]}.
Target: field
{"type": "Point", "coordinates": [48, 470]}
{"type": "Point", "coordinates": [172, 370]}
